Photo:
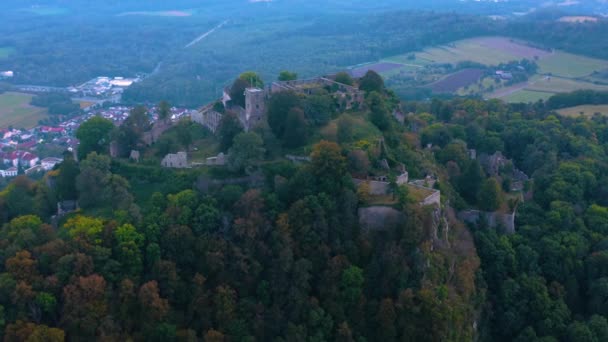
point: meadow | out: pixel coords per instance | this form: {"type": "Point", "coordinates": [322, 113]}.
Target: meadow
{"type": "Point", "coordinates": [16, 111]}
{"type": "Point", "coordinates": [569, 65]}
{"type": "Point", "coordinates": [586, 110]}
{"type": "Point", "coordinates": [526, 96]}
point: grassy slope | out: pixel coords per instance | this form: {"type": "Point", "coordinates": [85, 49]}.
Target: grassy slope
{"type": "Point", "coordinates": [568, 65]}
{"type": "Point", "coordinates": [586, 110]}
{"type": "Point", "coordinates": [16, 111]}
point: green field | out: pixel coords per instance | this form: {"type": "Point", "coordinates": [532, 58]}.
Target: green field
{"type": "Point", "coordinates": [527, 96]}
{"type": "Point", "coordinates": [480, 50]}
{"type": "Point", "coordinates": [16, 111]}
{"type": "Point", "coordinates": [586, 110]}
{"type": "Point", "coordinates": [563, 85]}
{"type": "Point", "coordinates": [568, 65]}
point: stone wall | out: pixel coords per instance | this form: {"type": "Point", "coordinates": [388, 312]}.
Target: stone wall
{"type": "Point", "coordinates": [178, 160]}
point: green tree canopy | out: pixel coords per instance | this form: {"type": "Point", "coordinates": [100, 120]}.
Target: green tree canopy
{"type": "Point", "coordinates": [371, 82]}
{"type": "Point", "coordinates": [287, 76]}
{"type": "Point", "coordinates": [94, 136]}
{"type": "Point", "coordinates": [246, 149]}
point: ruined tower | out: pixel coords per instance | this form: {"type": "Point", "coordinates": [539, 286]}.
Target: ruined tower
{"type": "Point", "coordinates": [254, 107]}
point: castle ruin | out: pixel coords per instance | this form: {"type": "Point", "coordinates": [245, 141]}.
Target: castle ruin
{"type": "Point", "coordinates": [254, 113]}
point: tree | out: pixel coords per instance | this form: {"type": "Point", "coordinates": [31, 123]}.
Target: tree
{"type": "Point", "coordinates": [379, 115]}
{"type": "Point", "coordinates": [278, 107]}
{"type": "Point", "coordinates": [84, 227]}
{"type": "Point", "coordinates": [164, 111]}
{"type": "Point", "coordinates": [469, 182]}
{"type": "Point", "coordinates": [319, 109]}
{"type": "Point", "coordinates": [31, 332]}
{"type": "Point", "coordinates": [489, 198]}
{"type": "Point", "coordinates": [371, 82]}
{"type": "Point", "coordinates": [129, 134]}
{"type": "Point", "coordinates": [328, 165]}
{"type": "Point", "coordinates": [358, 162]}
{"type": "Point", "coordinates": [246, 149]}
{"type": "Point", "coordinates": [252, 78]}
{"type": "Point", "coordinates": [344, 78]}
{"type": "Point", "coordinates": [296, 128]}
{"type": "Point", "coordinates": [92, 180]}
{"type": "Point", "coordinates": [351, 285]}
{"type": "Point", "coordinates": [230, 126]}
{"type": "Point", "coordinates": [287, 76]}
{"type": "Point", "coordinates": [153, 307]}
{"type": "Point", "coordinates": [345, 133]}
{"type": "Point", "coordinates": [66, 179]}
{"type": "Point", "coordinates": [84, 306]}
{"type": "Point", "coordinates": [184, 133]}
{"type": "Point", "coordinates": [237, 92]}
{"type": "Point", "coordinates": [94, 136]}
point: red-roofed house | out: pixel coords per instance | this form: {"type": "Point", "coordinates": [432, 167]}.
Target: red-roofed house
{"type": "Point", "coordinates": [29, 160]}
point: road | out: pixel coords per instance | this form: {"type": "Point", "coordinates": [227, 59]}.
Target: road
{"type": "Point", "coordinates": [204, 35]}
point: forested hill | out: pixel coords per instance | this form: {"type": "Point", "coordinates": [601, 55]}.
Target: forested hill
{"type": "Point", "coordinates": [263, 248]}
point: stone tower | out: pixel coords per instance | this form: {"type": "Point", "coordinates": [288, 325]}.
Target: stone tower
{"type": "Point", "coordinates": [254, 107]}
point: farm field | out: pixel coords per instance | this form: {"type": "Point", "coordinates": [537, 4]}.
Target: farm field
{"type": "Point", "coordinates": [586, 110]}
{"type": "Point", "coordinates": [568, 71]}
{"type": "Point", "coordinates": [457, 80]}
{"type": "Point", "coordinates": [568, 65]}
{"type": "Point", "coordinates": [526, 96]}
{"type": "Point", "coordinates": [15, 110]}
{"type": "Point", "coordinates": [563, 85]}
{"type": "Point", "coordinates": [483, 50]}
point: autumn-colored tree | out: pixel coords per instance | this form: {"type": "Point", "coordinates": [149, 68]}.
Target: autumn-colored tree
{"type": "Point", "coordinates": [84, 306]}
{"type": "Point", "coordinates": [214, 336]}
{"type": "Point", "coordinates": [22, 267]}
{"type": "Point", "coordinates": [31, 332]}
{"type": "Point", "coordinates": [224, 301]}
{"type": "Point", "coordinates": [153, 307]}
{"type": "Point", "coordinates": [329, 166]}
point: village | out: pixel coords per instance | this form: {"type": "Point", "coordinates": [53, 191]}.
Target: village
{"type": "Point", "coordinates": [37, 150]}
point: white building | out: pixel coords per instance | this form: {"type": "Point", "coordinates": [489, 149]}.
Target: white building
{"type": "Point", "coordinates": [49, 163]}
{"type": "Point", "coordinates": [10, 172]}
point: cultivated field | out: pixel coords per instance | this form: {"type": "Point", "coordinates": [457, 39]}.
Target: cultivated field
{"type": "Point", "coordinates": [562, 85]}
{"type": "Point", "coordinates": [16, 111]}
{"type": "Point", "coordinates": [568, 65]}
{"type": "Point", "coordinates": [457, 80]}
{"type": "Point", "coordinates": [483, 50]}
{"type": "Point", "coordinates": [526, 96]}
{"type": "Point", "coordinates": [586, 110]}
{"type": "Point", "coordinates": [382, 67]}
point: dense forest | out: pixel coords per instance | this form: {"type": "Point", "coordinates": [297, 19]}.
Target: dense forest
{"type": "Point", "coordinates": [159, 254]}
